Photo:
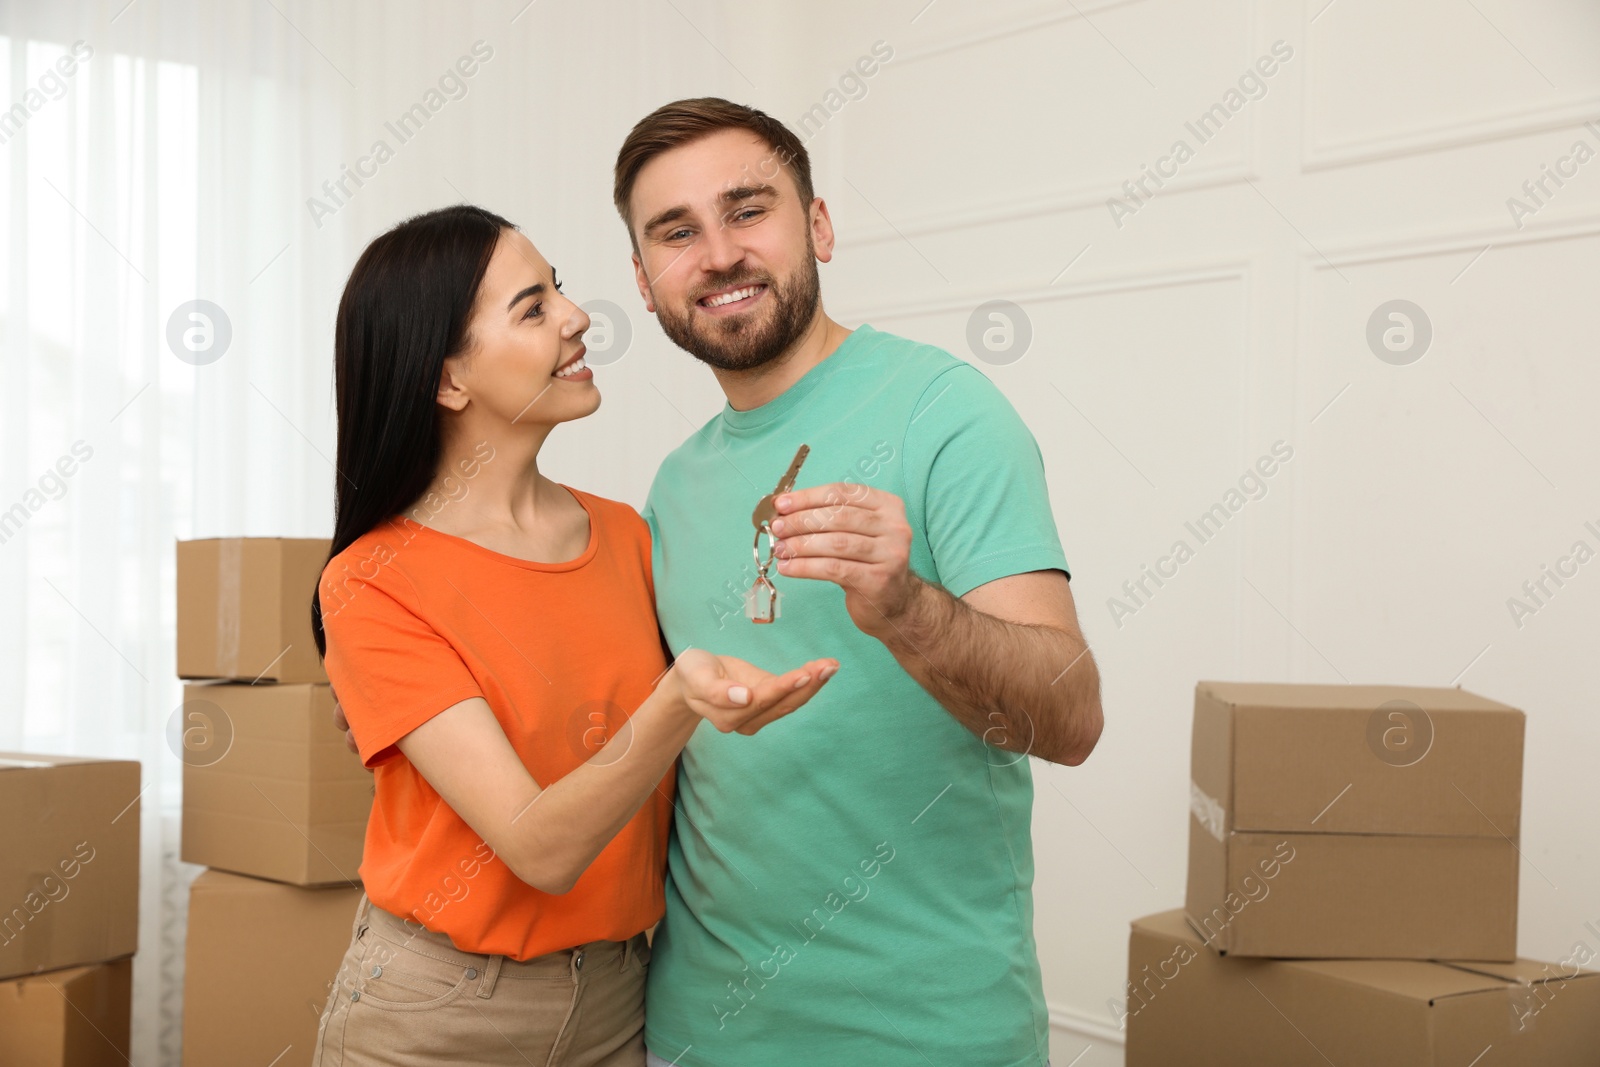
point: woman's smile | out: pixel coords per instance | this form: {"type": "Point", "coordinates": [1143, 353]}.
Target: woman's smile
{"type": "Point", "coordinates": [574, 369]}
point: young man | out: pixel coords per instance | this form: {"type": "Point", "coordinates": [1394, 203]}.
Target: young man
{"type": "Point", "coordinates": [853, 885]}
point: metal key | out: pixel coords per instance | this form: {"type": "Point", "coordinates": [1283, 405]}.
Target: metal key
{"type": "Point", "coordinates": [765, 512]}
{"type": "Point", "coordinates": [761, 602]}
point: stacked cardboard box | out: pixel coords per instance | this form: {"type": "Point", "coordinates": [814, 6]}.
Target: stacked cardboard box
{"type": "Point", "coordinates": [69, 886]}
{"type": "Point", "coordinates": [273, 792]}
{"type": "Point", "coordinates": [1352, 891]}
{"type": "Point", "coordinates": [244, 608]}
{"type": "Point", "coordinates": [261, 959]}
{"type": "Point", "coordinates": [273, 802]}
{"type": "Point", "coordinates": [1188, 1006]}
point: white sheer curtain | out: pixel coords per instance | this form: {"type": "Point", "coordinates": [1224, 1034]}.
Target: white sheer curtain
{"type": "Point", "coordinates": [151, 156]}
{"type": "Point", "coordinates": [175, 163]}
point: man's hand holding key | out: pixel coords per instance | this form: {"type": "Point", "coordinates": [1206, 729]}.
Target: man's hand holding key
{"type": "Point", "coordinates": [856, 537]}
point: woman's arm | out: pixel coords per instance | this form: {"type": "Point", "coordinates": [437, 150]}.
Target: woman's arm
{"type": "Point", "coordinates": [548, 836]}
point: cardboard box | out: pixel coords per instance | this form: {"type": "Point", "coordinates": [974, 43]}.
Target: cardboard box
{"type": "Point", "coordinates": [260, 961]}
{"type": "Point", "coordinates": [1187, 1005]}
{"type": "Point", "coordinates": [69, 861]}
{"type": "Point", "coordinates": [73, 1018]}
{"type": "Point", "coordinates": [244, 608]}
{"type": "Point", "coordinates": [273, 792]}
{"type": "Point", "coordinates": [1354, 822]}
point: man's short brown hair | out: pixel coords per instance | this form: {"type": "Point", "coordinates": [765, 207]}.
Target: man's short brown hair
{"type": "Point", "coordinates": [683, 121]}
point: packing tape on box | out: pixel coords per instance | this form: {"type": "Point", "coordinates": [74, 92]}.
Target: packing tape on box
{"type": "Point", "coordinates": [230, 568]}
{"type": "Point", "coordinates": [1207, 810]}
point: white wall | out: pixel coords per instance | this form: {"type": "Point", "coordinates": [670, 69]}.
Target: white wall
{"type": "Point", "coordinates": [1167, 353]}
{"type": "Point", "coordinates": [1229, 311]}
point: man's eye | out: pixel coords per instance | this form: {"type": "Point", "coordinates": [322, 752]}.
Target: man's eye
{"type": "Point", "coordinates": [747, 212]}
{"type": "Point", "coordinates": [677, 234]}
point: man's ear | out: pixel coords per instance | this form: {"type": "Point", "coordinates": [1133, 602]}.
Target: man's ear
{"type": "Point", "coordinates": [821, 230]}
{"type": "Point", "coordinates": [643, 281]}
{"type": "Point", "coordinates": [452, 393]}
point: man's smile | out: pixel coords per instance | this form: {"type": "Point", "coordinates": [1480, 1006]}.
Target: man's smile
{"type": "Point", "coordinates": [728, 301]}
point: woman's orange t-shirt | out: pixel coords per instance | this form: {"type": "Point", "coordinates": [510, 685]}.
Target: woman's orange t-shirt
{"type": "Point", "coordinates": [417, 621]}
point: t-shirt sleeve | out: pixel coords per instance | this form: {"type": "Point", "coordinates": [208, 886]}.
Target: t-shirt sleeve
{"type": "Point", "coordinates": [975, 480]}
{"type": "Point", "coordinates": [643, 526]}
{"type": "Point", "coordinates": [392, 671]}
{"type": "Point", "coordinates": [649, 517]}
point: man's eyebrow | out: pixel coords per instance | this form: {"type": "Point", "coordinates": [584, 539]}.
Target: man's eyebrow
{"type": "Point", "coordinates": [736, 194]}
{"type": "Point", "coordinates": [672, 214]}
{"type": "Point", "coordinates": [747, 192]}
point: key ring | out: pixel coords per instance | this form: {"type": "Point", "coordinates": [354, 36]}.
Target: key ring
{"type": "Point", "coordinates": [763, 567]}
{"type": "Point", "coordinates": [755, 549]}
{"type": "Point", "coordinates": [761, 602]}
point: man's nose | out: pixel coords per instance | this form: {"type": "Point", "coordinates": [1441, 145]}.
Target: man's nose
{"type": "Point", "coordinates": [722, 250]}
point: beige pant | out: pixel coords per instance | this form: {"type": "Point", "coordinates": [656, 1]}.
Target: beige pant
{"type": "Point", "coordinates": [406, 996]}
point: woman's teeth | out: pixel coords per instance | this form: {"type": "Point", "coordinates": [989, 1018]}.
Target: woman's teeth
{"type": "Point", "coordinates": [728, 298]}
{"type": "Point", "coordinates": [571, 368]}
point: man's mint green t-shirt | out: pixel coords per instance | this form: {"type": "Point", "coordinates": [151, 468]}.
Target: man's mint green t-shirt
{"type": "Point", "coordinates": [853, 884]}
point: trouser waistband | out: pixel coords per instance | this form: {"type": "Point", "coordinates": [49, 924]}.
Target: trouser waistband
{"type": "Point", "coordinates": [568, 962]}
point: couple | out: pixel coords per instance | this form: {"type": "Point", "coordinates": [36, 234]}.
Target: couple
{"type": "Point", "coordinates": [525, 666]}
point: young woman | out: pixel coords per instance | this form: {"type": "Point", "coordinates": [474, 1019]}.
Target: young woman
{"type": "Point", "coordinates": [492, 638]}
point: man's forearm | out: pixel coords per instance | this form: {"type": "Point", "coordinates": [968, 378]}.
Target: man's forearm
{"type": "Point", "coordinates": [1024, 688]}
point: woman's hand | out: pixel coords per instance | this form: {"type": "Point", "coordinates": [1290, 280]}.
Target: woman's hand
{"type": "Point", "coordinates": [342, 724]}
{"type": "Point", "coordinates": [739, 697]}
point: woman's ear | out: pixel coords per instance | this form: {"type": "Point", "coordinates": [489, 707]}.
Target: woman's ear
{"type": "Point", "coordinates": [452, 392]}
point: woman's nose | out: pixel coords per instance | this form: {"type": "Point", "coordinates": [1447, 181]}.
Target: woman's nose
{"type": "Point", "coordinates": [577, 322]}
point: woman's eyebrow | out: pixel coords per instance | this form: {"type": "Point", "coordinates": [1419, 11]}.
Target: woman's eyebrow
{"type": "Point", "coordinates": [532, 290]}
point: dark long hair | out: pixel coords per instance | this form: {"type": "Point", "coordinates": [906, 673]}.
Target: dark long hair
{"type": "Point", "coordinates": [405, 309]}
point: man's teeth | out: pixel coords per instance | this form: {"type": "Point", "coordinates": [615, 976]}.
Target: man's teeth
{"type": "Point", "coordinates": [571, 368]}
{"type": "Point", "coordinates": [728, 298]}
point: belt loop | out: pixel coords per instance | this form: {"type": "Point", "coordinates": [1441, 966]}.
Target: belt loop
{"type": "Point", "coordinates": [491, 974]}
{"type": "Point", "coordinates": [627, 952]}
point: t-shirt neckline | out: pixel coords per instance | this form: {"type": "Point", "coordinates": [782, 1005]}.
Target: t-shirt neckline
{"type": "Point", "coordinates": [529, 564]}
{"type": "Point", "coordinates": [753, 418]}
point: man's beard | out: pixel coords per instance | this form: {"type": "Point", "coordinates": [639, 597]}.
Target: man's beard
{"type": "Point", "coordinates": [744, 342]}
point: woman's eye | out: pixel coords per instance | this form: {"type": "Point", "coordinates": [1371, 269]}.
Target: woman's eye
{"type": "Point", "coordinates": [535, 311]}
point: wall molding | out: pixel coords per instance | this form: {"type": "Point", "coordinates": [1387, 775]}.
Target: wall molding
{"type": "Point", "coordinates": [1131, 281]}
{"type": "Point", "coordinates": [1445, 136]}
{"type": "Point", "coordinates": [1040, 202]}
{"type": "Point", "coordinates": [1443, 242]}
{"type": "Point", "coordinates": [1078, 1024]}
{"type": "Point", "coordinates": [1428, 245]}
{"type": "Point", "coordinates": [1049, 199]}
{"type": "Point", "coordinates": [956, 40]}
{"type": "Point", "coordinates": [1432, 137]}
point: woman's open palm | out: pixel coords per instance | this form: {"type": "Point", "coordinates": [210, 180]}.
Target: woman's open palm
{"type": "Point", "coordinates": [739, 697]}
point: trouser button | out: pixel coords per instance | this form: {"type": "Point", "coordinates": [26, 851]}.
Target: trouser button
{"type": "Point", "coordinates": [577, 961]}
